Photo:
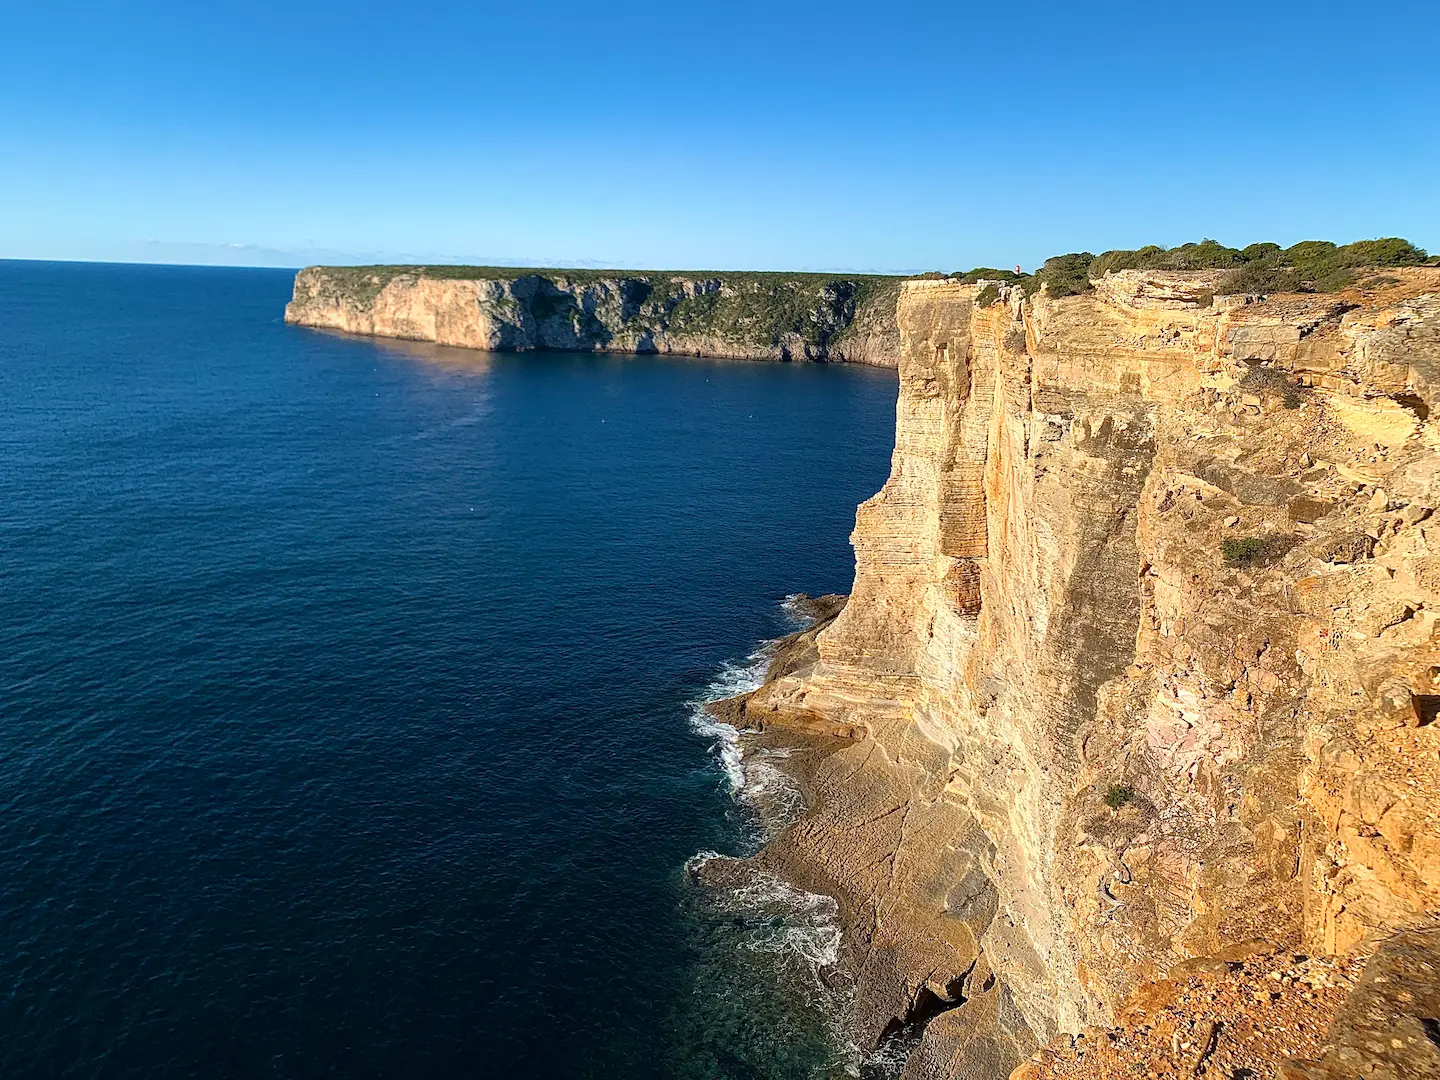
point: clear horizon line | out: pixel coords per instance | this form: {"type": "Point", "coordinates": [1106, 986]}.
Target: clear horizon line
{"type": "Point", "coordinates": [595, 268]}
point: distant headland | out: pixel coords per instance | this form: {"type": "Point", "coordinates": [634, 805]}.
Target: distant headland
{"type": "Point", "coordinates": [741, 315]}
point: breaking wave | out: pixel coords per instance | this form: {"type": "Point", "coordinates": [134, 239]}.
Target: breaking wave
{"type": "Point", "coordinates": [767, 796]}
{"type": "Point", "coordinates": [801, 928]}
{"type": "Point", "coordinates": [766, 931]}
{"type": "Point", "coordinates": [798, 616]}
{"type": "Point", "coordinates": [731, 681]}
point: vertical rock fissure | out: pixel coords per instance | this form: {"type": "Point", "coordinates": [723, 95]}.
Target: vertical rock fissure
{"type": "Point", "coordinates": [903, 1033]}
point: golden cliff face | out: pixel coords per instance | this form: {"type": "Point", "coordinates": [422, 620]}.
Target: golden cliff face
{"type": "Point", "coordinates": [460, 313]}
{"type": "Point", "coordinates": [1146, 616]}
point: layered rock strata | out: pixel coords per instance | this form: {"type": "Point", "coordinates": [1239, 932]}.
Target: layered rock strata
{"type": "Point", "coordinates": [1141, 660]}
{"type": "Point", "coordinates": [741, 316]}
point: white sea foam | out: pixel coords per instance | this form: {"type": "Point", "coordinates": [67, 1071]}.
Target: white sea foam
{"type": "Point", "coordinates": [754, 780]}
{"type": "Point", "coordinates": [770, 792]}
{"type": "Point", "coordinates": [801, 930]}
{"type": "Point", "coordinates": [781, 919]}
{"type": "Point", "coordinates": [808, 927]}
{"type": "Point", "coordinates": [731, 681]}
{"type": "Point", "coordinates": [699, 859]}
{"type": "Point", "coordinates": [797, 615]}
{"type": "Point", "coordinates": [886, 1060]}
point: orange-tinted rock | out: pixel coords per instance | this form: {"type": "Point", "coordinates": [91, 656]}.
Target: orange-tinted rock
{"type": "Point", "coordinates": [1135, 742]}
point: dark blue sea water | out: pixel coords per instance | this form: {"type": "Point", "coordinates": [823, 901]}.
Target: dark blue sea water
{"type": "Point", "coordinates": [344, 722]}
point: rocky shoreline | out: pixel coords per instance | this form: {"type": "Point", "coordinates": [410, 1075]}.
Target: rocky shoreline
{"type": "Point", "coordinates": [865, 840]}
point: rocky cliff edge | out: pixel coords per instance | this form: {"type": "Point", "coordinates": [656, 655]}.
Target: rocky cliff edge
{"type": "Point", "coordinates": [1140, 670]}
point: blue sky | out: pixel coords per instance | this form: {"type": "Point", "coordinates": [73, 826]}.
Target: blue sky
{"type": "Point", "coordinates": [785, 135]}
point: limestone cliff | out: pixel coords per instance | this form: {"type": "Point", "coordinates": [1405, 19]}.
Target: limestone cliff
{"type": "Point", "coordinates": [750, 316]}
{"type": "Point", "coordinates": [1141, 657]}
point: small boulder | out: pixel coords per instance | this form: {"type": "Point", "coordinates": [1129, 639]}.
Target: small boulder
{"type": "Point", "coordinates": [1399, 703]}
{"type": "Point", "coordinates": [1307, 508]}
{"type": "Point", "coordinates": [1350, 548]}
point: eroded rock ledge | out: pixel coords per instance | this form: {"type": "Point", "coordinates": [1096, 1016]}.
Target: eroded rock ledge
{"type": "Point", "coordinates": [1140, 664]}
{"type": "Point", "coordinates": [746, 316]}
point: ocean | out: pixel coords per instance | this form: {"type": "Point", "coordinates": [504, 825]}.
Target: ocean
{"type": "Point", "coordinates": [348, 693]}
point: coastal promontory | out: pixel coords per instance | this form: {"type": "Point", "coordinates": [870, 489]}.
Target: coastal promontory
{"type": "Point", "coordinates": [739, 315]}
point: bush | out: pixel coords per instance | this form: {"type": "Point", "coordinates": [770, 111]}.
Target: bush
{"type": "Point", "coordinates": [1389, 251]}
{"type": "Point", "coordinates": [1311, 265]}
{"type": "Point", "coordinates": [988, 295]}
{"type": "Point", "coordinates": [1118, 795]}
{"type": "Point", "coordinates": [1271, 380]}
{"type": "Point", "coordinates": [1333, 280]}
{"type": "Point", "coordinates": [1066, 275]}
{"type": "Point", "coordinates": [1146, 258]}
{"type": "Point", "coordinates": [1206, 255]}
{"type": "Point", "coordinates": [1261, 253]}
{"type": "Point", "coordinates": [1259, 278]}
{"type": "Point", "coordinates": [1310, 252]}
{"type": "Point", "coordinates": [1328, 268]}
{"type": "Point", "coordinates": [1243, 551]}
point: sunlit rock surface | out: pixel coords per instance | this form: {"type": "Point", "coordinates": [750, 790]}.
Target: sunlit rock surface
{"type": "Point", "coordinates": [1140, 660]}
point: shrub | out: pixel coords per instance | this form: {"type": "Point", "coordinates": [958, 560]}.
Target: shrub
{"type": "Point", "coordinates": [1388, 251]}
{"type": "Point", "coordinates": [1259, 278]}
{"type": "Point", "coordinates": [1118, 795]}
{"type": "Point", "coordinates": [1015, 340]}
{"type": "Point", "coordinates": [1315, 265]}
{"type": "Point", "coordinates": [1272, 380]}
{"type": "Point", "coordinates": [1145, 258]}
{"type": "Point", "coordinates": [1066, 275]}
{"type": "Point", "coordinates": [1333, 280]}
{"type": "Point", "coordinates": [1243, 551]}
{"type": "Point", "coordinates": [1261, 253]}
{"type": "Point", "coordinates": [988, 295]}
{"type": "Point", "coordinates": [1328, 268]}
{"type": "Point", "coordinates": [1309, 252]}
{"type": "Point", "coordinates": [1206, 255]}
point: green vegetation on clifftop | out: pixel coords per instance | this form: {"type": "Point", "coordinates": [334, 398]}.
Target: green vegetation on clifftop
{"type": "Point", "coordinates": [801, 315]}
{"type": "Point", "coordinates": [1309, 266]}
{"type": "Point", "coordinates": [768, 308]}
